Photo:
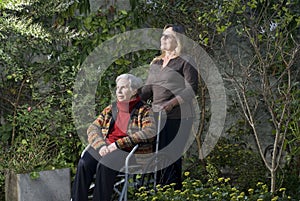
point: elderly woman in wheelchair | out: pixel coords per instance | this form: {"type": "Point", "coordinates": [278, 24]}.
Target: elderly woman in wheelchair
{"type": "Point", "coordinates": [118, 128]}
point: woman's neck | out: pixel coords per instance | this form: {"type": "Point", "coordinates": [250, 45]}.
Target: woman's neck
{"type": "Point", "coordinates": [127, 106]}
{"type": "Point", "coordinates": [167, 57]}
{"type": "Point", "coordinates": [170, 54]}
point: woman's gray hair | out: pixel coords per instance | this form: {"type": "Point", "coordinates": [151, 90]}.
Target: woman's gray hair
{"type": "Point", "coordinates": [135, 82]}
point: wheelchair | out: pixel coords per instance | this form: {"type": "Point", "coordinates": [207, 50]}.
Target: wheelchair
{"type": "Point", "coordinates": [150, 174]}
{"type": "Point", "coordinates": [147, 174]}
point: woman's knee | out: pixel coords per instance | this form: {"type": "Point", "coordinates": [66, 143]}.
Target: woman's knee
{"type": "Point", "coordinates": [87, 161]}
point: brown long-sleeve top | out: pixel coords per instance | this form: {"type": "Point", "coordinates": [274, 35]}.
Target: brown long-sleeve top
{"type": "Point", "coordinates": [178, 79]}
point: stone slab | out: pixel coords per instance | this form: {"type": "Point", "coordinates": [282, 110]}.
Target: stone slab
{"type": "Point", "coordinates": [53, 185]}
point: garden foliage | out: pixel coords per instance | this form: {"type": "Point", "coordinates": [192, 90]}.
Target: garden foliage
{"type": "Point", "coordinates": [44, 43]}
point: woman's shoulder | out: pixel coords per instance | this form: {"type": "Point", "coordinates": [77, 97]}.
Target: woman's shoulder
{"type": "Point", "coordinates": [188, 61]}
{"type": "Point", "coordinates": [108, 109]}
{"type": "Point", "coordinates": [144, 107]}
{"type": "Point", "coordinates": [157, 60]}
{"type": "Point", "coordinates": [186, 58]}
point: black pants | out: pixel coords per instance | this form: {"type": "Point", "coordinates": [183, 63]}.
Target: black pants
{"type": "Point", "coordinates": [105, 169]}
{"type": "Point", "coordinates": [173, 137]}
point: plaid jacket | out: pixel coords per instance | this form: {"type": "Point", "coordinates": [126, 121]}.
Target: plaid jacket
{"type": "Point", "coordinates": [141, 130]}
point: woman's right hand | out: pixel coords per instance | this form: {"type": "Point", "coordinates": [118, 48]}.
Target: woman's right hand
{"type": "Point", "coordinates": [169, 105]}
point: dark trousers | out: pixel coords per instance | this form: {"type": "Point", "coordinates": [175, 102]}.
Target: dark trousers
{"type": "Point", "coordinates": [105, 169]}
{"type": "Point", "coordinates": [173, 137]}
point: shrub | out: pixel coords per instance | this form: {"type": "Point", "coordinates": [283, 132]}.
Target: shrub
{"type": "Point", "coordinates": [219, 189]}
{"type": "Point", "coordinates": [243, 165]}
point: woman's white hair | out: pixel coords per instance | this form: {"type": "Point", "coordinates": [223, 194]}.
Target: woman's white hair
{"type": "Point", "coordinates": [135, 83]}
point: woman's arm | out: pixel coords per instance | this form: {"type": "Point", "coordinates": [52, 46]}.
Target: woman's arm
{"type": "Point", "coordinates": [190, 74]}
{"type": "Point", "coordinates": [146, 93]}
{"type": "Point", "coordinates": [95, 136]}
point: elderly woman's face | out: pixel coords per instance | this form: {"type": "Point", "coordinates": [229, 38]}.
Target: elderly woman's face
{"type": "Point", "coordinates": [168, 40]}
{"type": "Point", "coordinates": [124, 92]}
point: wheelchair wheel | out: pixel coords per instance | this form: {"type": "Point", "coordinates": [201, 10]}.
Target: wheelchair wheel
{"type": "Point", "coordinates": [157, 171]}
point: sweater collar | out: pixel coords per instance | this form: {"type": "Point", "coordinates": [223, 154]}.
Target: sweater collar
{"type": "Point", "coordinates": [127, 106]}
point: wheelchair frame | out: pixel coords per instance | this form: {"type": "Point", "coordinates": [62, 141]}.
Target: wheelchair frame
{"type": "Point", "coordinates": [124, 193]}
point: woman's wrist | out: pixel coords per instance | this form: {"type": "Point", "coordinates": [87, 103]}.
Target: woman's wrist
{"type": "Point", "coordinates": [173, 102]}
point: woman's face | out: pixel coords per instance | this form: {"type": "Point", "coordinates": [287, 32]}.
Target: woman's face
{"type": "Point", "coordinates": [124, 92]}
{"type": "Point", "coordinates": [168, 40]}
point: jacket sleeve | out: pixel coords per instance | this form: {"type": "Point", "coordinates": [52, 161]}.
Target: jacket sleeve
{"type": "Point", "coordinates": [146, 91]}
{"type": "Point", "coordinates": [191, 82]}
{"type": "Point", "coordinates": [146, 132]}
{"type": "Point", "coordinates": [95, 136]}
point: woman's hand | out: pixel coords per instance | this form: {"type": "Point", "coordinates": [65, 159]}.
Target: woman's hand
{"type": "Point", "coordinates": [107, 149]}
{"type": "Point", "coordinates": [103, 151]}
{"type": "Point", "coordinates": [168, 106]}
{"type": "Point", "coordinates": [112, 147]}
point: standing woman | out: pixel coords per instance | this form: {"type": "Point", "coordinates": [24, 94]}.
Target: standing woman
{"type": "Point", "coordinates": [171, 84]}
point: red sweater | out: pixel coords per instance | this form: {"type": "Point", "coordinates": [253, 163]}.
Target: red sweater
{"type": "Point", "coordinates": [119, 129]}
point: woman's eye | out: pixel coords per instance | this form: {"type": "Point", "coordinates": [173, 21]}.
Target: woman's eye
{"type": "Point", "coordinates": [166, 36]}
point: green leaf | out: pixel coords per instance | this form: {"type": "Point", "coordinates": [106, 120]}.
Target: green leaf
{"type": "Point", "coordinates": [24, 142]}
{"type": "Point", "coordinates": [124, 12]}
{"type": "Point", "coordinates": [34, 175]}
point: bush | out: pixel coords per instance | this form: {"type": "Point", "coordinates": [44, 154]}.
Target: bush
{"type": "Point", "coordinates": [44, 142]}
{"type": "Point", "coordinates": [218, 189]}
{"type": "Point", "coordinates": [243, 165]}
{"type": "Point", "coordinates": [228, 159]}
